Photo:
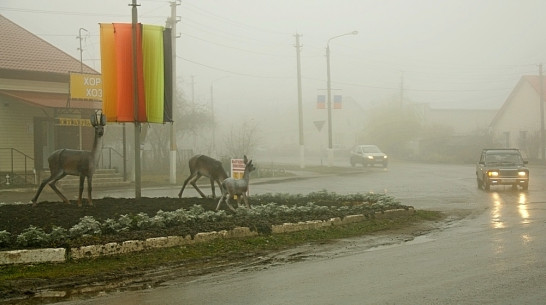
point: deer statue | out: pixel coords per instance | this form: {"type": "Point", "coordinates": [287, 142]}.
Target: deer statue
{"type": "Point", "coordinates": [239, 187]}
{"type": "Point", "coordinates": [201, 165]}
{"type": "Point", "coordinates": [81, 163]}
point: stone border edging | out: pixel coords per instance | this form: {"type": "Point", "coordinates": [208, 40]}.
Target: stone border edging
{"type": "Point", "coordinates": [60, 255]}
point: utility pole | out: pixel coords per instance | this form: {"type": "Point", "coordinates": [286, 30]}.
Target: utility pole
{"type": "Point", "coordinates": [171, 22]}
{"type": "Point", "coordinates": [138, 192]}
{"type": "Point", "coordinates": [80, 48]}
{"type": "Point", "coordinates": [541, 113]}
{"type": "Point", "coordinates": [81, 71]}
{"type": "Point", "coordinates": [300, 106]}
{"type": "Point", "coordinates": [401, 89]}
{"type": "Point", "coordinates": [192, 90]}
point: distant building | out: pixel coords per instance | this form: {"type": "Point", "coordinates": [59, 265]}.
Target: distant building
{"type": "Point", "coordinates": [518, 122]}
{"type": "Point", "coordinates": [36, 114]}
{"type": "Point", "coordinates": [461, 121]}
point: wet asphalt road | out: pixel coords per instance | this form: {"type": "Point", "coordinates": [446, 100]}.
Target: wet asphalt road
{"type": "Point", "coordinates": [497, 255]}
{"type": "Point", "coordinates": [425, 186]}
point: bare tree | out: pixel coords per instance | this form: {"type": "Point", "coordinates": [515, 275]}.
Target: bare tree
{"type": "Point", "coordinates": [242, 140]}
{"type": "Point", "coordinates": [190, 120]}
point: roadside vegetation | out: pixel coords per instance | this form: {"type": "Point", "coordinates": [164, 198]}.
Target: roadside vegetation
{"type": "Point", "coordinates": [192, 259]}
{"type": "Point", "coordinates": [117, 220]}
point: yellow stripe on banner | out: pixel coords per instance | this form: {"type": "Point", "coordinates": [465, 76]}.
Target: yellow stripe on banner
{"type": "Point", "coordinates": [154, 83]}
{"type": "Point", "coordinates": [108, 70]}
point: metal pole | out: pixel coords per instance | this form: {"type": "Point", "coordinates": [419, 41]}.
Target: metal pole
{"type": "Point", "coordinates": [80, 48]}
{"type": "Point", "coordinates": [543, 153]}
{"type": "Point", "coordinates": [138, 193]}
{"type": "Point", "coordinates": [329, 89]}
{"type": "Point", "coordinates": [329, 105]}
{"type": "Point", "coordinates": [213, 146]}
{"type": "Point", "coordinates": [174, 149]}
{"type": "Point", "coordinates": [300, 105]}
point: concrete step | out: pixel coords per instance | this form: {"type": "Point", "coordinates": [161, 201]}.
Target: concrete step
{"type": "Point", "coordinates": [101, 178]}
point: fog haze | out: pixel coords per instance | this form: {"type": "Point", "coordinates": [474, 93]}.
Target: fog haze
{"type": "Point", "coordinates": [447, 54]}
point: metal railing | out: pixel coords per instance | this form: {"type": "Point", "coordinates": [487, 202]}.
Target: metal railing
{"type": "Point", "coordinates": [16, 175]}
{"type": "Point", "coordinates": [107, 158]}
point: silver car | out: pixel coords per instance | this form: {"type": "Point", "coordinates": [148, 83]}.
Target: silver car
{"type": "Point", "coordinates": [368, 155]}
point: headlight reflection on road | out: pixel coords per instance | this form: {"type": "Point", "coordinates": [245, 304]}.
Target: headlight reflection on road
{"type": "Point", "coordinates": [522, 208]}
{"type": "Point", "coordinates": [496, 213]}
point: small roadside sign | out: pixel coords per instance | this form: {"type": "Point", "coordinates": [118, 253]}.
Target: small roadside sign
{"type": "Point", "coordinates": [237, 168]}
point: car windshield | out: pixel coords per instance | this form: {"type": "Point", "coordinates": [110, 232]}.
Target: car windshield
{"type": "Point", "coordinates": [504, 158]}
{"type": "Point", "coordinates": [370, 149]}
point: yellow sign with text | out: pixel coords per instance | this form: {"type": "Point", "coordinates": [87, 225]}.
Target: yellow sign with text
{"type": "Point", "coordinates": [73, 122]}
{"type": "Point", "coordinates": [86, 86]}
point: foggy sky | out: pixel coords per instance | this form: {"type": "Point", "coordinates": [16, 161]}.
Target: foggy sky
{"type": "Point", "coordinates": [451, 54]}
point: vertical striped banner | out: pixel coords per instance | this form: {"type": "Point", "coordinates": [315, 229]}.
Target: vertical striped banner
{"type": "Point", "coordinates": [152, 59]}
{"type": "Point", "coordinates": [123, 39]}
{"type": "Point", "coordinates": [154, 73]}
{"type": "Point", "coordinates": [108, 71]}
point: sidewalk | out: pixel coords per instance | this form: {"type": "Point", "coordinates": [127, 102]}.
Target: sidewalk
{"type": "Point", "coordinates": [25, 194]}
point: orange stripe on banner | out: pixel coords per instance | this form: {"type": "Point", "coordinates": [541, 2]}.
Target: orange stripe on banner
{"type": "Point", "coordinates": [125, 72]}
{"type": "Point", "coordinates": [108, 68]}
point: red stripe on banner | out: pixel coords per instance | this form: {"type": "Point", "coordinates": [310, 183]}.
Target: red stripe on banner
{"type": "Point", "coordinates": [124, 67]}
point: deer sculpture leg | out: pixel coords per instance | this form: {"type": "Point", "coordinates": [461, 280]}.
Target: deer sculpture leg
{"type": "Point", "coordinates": [201, 165]}
{"type": "Point", "coordinates": [80, 163]}
{"type": "Point", "coordinates": [51, 180]}
{"type": "Point", "coordinates": [225, 197]}
{"type": "Point", "coordinates": [184, 185]}
{"type": "Point", "coordinates": [245, 199]}
{"type": "Point", "coordinates": [212, 187]}
{"type": "Point", "coordinates": [89, 189]}
{"type": "Point", "coordinates": [53, 185]}
{"type": "Point", "coordinates": [193, 182]}
{"type": "Point", "coordinates": [192, 179]}
{"type": "Point", "coordinates": [231, 187]}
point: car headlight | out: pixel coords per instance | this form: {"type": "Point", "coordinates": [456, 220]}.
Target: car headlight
{"type": "Point", "coordinates": [384, 157]}
{"type": "Point", "coordinates": [522, 173]}
{"type": "Point", "coordinates": [493, 174]}
{"type": "Point", "coordinates": [370, 157]}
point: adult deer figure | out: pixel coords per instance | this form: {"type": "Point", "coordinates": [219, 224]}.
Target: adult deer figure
{"type": "Point", "coordinates": [201, 165]}
{"type": "Point", "coordinates": [239, 187]}
{"type": "Point", "coordinates": [81, 163]}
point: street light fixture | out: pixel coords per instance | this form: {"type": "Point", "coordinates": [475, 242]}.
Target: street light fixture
{"type": "Point", "coordinates": [329, 92]}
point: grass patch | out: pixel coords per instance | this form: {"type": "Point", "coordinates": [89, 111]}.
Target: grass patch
{"type": "Point", "coordinates": [216, 250]}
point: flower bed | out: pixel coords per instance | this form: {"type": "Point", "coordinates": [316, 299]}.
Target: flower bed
{"type": "Point", "coordinates": [54, 224]}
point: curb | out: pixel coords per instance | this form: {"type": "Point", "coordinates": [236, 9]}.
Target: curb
{"type": "Point", "coordinates": [61, 255]}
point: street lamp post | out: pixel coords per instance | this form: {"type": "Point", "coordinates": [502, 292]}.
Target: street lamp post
{"type": "Point", "coordinates": [329, 92]}
{"type": "Point", "coordinates": [80, 48]}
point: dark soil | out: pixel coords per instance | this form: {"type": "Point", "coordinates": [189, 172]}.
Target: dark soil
{"type": "Point", "coordinates": [16, 218]}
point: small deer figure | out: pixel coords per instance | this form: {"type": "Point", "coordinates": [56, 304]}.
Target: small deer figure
{"type": "Point", "coordinates": [73, 162]}
{"type": "Point", "coordinates": [201, 165]}
{"type": "Point", "coordinates": [239, 187]}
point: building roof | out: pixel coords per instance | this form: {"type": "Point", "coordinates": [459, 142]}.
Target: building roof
{"type": "Point", "coordinates": [533, 80]}
{"type": "Point", "coordinates": [20, 50]}
{"type": "Point", "coordinates": [54, 100]}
